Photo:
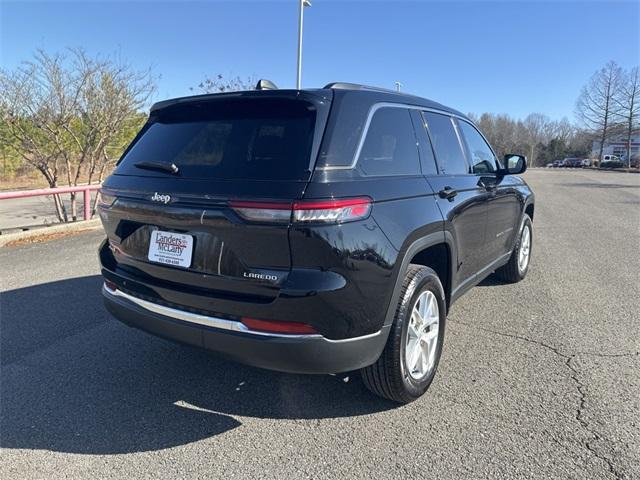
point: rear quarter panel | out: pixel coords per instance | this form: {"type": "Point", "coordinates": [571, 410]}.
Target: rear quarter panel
{"type": "Point", "coordinates": [368, 254]}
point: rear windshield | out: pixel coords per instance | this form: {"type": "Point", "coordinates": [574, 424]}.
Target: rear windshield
{"type": "Point", "coordinates": [253, 139]}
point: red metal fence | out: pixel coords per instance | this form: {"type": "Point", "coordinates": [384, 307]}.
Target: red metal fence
{"type": "Point", "coordinates": [85, 189]}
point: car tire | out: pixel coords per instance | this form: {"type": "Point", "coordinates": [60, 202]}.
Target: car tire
{"type": "Point", "coordinates": [515, 270]}
{"type": "Point", "coordinates": [391, 376]}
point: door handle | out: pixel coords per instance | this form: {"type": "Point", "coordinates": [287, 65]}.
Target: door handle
{"type": "Point", "coordinates": [448, 193]}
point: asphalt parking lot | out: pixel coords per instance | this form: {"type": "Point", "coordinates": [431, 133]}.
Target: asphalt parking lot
{"type": "Point", "coordinates": [537, 380]}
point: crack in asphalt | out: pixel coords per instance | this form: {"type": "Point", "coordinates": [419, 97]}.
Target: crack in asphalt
{"type": "Point", "coordinates": [579, 417]}
{"type": "Point", "coordinates": [606, 355]}
{"type": "Point", "coordinates": [580, 387]}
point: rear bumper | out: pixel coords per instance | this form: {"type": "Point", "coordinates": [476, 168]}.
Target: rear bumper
{"type": "Point", "coordinates": [337, 307]}
{"type": "Point", "coordinates": [287, 353]}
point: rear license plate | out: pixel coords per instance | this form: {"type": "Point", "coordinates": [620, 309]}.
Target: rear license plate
{"type": "Point", "coordinates": [170, 248]}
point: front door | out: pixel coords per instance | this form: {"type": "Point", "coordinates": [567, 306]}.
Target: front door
{"type": "Point", "coordinates": [503, 205]}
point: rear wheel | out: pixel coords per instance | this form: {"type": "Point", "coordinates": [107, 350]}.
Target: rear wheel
{"type": "Point", "coordinates": [410, 358]}
{"type": "Point", "coordinates": [518, 266]}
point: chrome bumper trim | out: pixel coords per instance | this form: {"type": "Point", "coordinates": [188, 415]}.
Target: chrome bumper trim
{"type": "Point", "coordinates": [216, 322]}
{"type": "Point", "coordinates": [207, 321]}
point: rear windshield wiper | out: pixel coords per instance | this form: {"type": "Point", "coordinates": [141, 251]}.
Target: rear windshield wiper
{"type": "Point", "coordinates": [165, 167]}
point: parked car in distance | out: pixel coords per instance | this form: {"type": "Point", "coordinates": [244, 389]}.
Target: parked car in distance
{"type": "Point", "coordinates": [612, 164]}
{"type": "Point", "coordinates": [557, 164]}
{"type": "Point", "coordinates": [550, 164]}
{"type": "Point", "coordinates": [573, 162]}
{"type": "Point", "coordinates": [311, 231]}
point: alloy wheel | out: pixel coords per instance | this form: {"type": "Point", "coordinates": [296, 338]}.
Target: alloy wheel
{"type": "Point", "coordinates": [525, 248]}
{"type": "Point", "coordinates": [422, 336]}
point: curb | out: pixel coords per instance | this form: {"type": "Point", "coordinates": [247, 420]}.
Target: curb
{"type": "Point", "coordinates": [65, 227]}
{"type": "Point", "coordinates": [617, 170]}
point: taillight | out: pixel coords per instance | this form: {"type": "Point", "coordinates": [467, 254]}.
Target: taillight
{"type": "Point", "coordinates": [274, 326]}
{"type": "Point", "coordinates": [105, 199]}
{"type": "Point", "coordinates": [305, 211]}
{"type": "Point", "coordinates": [273, 212]}
{"type": "Point", "coordinates": [331, 211]}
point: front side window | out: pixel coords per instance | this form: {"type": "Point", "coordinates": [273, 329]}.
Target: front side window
{"type": "Point", "coordinates": [482, 158]}
{"type": "Point", "coordinates": [446, 145]}
{"type": "Point", "coordinates": [390, 146]}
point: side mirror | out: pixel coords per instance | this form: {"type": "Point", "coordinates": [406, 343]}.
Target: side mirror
{"type": "Point", "coordinates": [514, 164]}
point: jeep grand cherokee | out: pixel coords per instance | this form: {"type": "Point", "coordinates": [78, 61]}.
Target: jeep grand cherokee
{"type": "Point", "coordinates": [311, 231]}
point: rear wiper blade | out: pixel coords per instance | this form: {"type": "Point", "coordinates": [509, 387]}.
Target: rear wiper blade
{"type": "Point", "coordinates": [165, 167]}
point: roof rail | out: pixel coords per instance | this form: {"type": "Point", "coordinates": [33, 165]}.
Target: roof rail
{"type": "Point", "coordinates": [356, 86]}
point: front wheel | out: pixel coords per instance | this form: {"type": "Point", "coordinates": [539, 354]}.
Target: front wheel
{"type": "Point", "coordinates": [518, 266]}
{"type": "Point", "coordinates": [410, 358]}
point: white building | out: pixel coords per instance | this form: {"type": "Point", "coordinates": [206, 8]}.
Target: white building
{"type": "Point", "coordinates": [617, 146]}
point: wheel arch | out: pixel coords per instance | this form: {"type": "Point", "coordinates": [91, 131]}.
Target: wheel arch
{"type": "Point", "coordinates": [529, 209]}
{"type": "Point", "coordinates": [435, 250]}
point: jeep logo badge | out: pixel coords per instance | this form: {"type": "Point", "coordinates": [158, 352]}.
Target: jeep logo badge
{"type": "Point", "coordinates": [157, 197]}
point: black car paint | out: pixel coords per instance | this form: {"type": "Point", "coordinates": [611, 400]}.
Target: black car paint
{"type": "Point", "coordinates": [344, 279]}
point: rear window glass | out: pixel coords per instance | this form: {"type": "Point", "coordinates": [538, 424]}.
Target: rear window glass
{"type": "Point", "coordinates": [253, 139]}
{"type": "Point", "coordinates": [344, 129]}
{"type": "Point", "coordinates": [390, 146]}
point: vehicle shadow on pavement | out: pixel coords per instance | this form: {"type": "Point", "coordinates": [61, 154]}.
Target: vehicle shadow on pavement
{"type": "Point", "coordinates": [75, 380]}
{"type": "Point", "coordinates": [491, 281]}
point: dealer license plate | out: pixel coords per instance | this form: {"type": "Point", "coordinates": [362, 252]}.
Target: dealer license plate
{"type": "Point", "coordinates": [170, 248]}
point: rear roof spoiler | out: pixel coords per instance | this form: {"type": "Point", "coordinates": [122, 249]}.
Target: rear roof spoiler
{"type": "Point", "coordinates": [267, 92]}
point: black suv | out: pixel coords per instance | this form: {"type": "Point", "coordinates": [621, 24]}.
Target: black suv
{"type": "Point", "coordinates": [311, 231]}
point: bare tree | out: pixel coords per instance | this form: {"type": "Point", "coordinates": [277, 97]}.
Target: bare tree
{"type": "Point", "coordinates": [543, 140]}
{"type": "Point", "coordinates": [109, 111]}
{"type": "Point", "coordinates": [628, 103]}
{"type": "Point", "coordinates": [63, 112]}
{"type": "Point", "coordinates": [536, 132]}
{"type": "Point", "coordinates": [562, 129]}
{"type": "Point", "coordinates": [38, 104]}
{"type": "Point", "coordinates": [218, 84]}
{"type": "Point", "coordinates": [596, 107]}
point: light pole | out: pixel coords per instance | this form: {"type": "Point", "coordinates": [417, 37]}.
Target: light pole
{"type": "Point", "coordinates": [398, 85]}
{"type": "Point", "coordinates": [301, 5]}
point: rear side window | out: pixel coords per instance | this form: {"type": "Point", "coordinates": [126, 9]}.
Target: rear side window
{"type": "Point", "coordinates": [482, 158]}
{"type": "Point", "coordinates": [427, 159]}
{"type": "Point", "coordinates": [390, 145]}
{"type": "Point", "coordinates": [254, 139]}
{"type": "Point", "coordinates": [446, 145]}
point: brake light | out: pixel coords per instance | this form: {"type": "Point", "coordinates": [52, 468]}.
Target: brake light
{"type": "Point", "coordinates": [274, 326]}
{"type": "Point", "coordinates": [305, 211]}
{"type": "Point", "coordinates": [110, 285]}
{"type": "Point", "coordinates": [332, 211]}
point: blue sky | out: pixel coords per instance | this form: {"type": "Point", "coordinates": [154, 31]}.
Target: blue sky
{"type": "Point", "coordinates": [508, 57]}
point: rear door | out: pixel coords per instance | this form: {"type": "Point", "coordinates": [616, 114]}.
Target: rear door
{"type": "Point", "coordinates": [213, 180]}
{"type": "Point", "coordinates": [461, 200]}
